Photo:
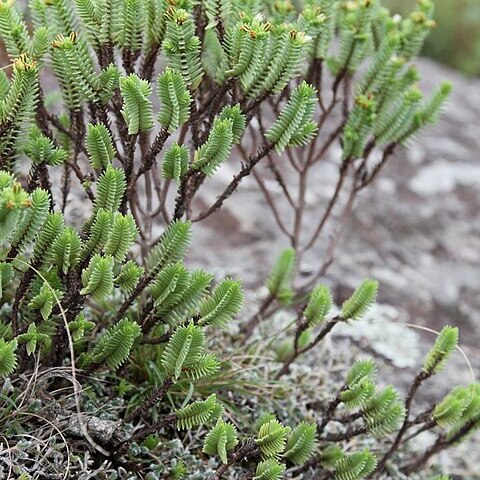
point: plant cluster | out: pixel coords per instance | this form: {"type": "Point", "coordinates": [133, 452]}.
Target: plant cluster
{"type": "Point", "coordinates": [98, 310]}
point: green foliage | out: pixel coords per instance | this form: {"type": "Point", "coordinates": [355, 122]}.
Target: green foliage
{"type": "Point", "coordinates": [175, 99]}
{"type": "Point", "coordinates": [32, 338]}
{"type": "Point", "coordinates": [114, 346]}
{"type": "Point", "coordinates": [198, 413]}
{"type": "Point", "coordinates": [360, 386]}
{"type": "Point", "coordinates": [97, 278]}
{"type": "Point", "coordinates": [79, 326]}
{"type": "Point", "coordinates": [100, 232]}
{"type": "Point", "coordinates": [45, 300]}
{"type": "Point", "coordinates": [331, 455]}
{"type": "Point", "coordinates": [66, 250]}
{"type": "Point", "coordinates": [222, 305]}
{"type": "Point", "coordinates": [237, 118]}
{"type": "Point", "coordinates": [279, 280]}
{"type": "Point", "coordinates": [359, 125]}
{"type": "Point", "coordinates": [129, 25]}
{"type": "Point", "coordinates": [31, 220]}
{"type": "Point", "coordinates": [455, 38]}
{"type": "Point", "coordinates": [280, 64]}
{"type": "Point", "coordinates": [137, 107]}
{"type": "Point", "coordinates": [220, 440]}
{"type": "Point", "coordinates": [175, 162]}
{"type": "Point", "coordinates": [272, 438]}
{"type": "Point", "coordinates": [169, 285]}
{"type": "Point", "coordinates": [461, 405]}
{"type": "Point", "coordinates": [171, 247]}
{"type": "Point", "coordinates": [155, 22]}
{"type": "Point", "coordinates": [246, 46]}
{"type": "Point", "coordinates": [18, 105]}
{"type": "Point", "coordinates": [121, 237]}
{"type": "Point", "coordinates": [318, 306]}
{"type": "Point", "coordinates": [355, 36]}
{"type": "Point", "coordinates": [217, 148]}
{"type": "Point", "coordinates": [109, 82]}
{"type": "Point", "coordinates": [444, 346]}
{"type": "Point", "coordinates": [358, 393]}
{"type": "Point", "coordinates": [108, 270]}
{"type": "Point", "coordinates": [301, 443]}
{"type": "Point", "coordinates": [13, 201]}
{"type": "Point", "coordinates": [41, 149]}
{"type": "Point", "coordinates": [129, 276]}
{"type": "Point", "coordinates": [185, 354]}
{"type": "Point", "coordinates": [361, 369]}
{"type": "Point", "coordinates": [13, 29]}
{"type": "Point", "coordinates": [6, 276]}
{"type": "Point", "coordinates": [363, 297]}
{"type": "Point", "coordinates": [179, 471]}
{"type": "Point", "coordinates": [294, 127]}
{"type": "Point", "coordinates": [177, 297]}
{"type": "Point", "coordinates": [428, 114]}
{"type": "Point", "coordinates": [182, 46]}
{"type": "Point", "coordinates": [384, 412]}
{"type": "Point", "coordinates": [269, 469]}
{"type": "Point", "coordinates": [183, 350]}
{"type": "Point", "coordinates": [99, 146]}
{"type": "Point", "coordinates": [8, 358]}
{"type": "Point", "coordinates": [355, 466]}
{"type": "Point", "coordinates": [74, 69]}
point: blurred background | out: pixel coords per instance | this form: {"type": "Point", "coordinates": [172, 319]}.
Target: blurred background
{"type": "Point", "coordinates": [456, 40]}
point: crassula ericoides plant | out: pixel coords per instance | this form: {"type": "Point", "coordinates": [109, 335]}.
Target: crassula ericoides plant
{"type": "Point", "coordinates": [126, 108]}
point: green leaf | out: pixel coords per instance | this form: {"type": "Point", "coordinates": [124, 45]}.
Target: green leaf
{"type": "Point", "coordinates": [175, 162]}
{"type": "Point", "coordinates": [319, 305]}
{"type": "Point", "coordinates": [45, 300]}
{"type": "Point", "coordinates": [217, 148]}
{"type": "Point", "coordinates": [137, 107]}
{"type": "Point", "coordinates": [384, 412]}
{"type": "Point", "coordinates": [79, 326]}
{"type": "Point", "coordinates": [175, 100]}
{"type": "Point", "coordinates": [237, 118]}
{"type": "Point", "coordinates": [110, 189]}
{"type": "Point", "coordinates": [97, 278]}
{"type": "Point", "coordinates": [272, 438]}
{"type": "Point", "coordinates": [31, 338]}
{"type": "Point", "coordinates": [301, 443]}
{"type": "Point", "coordinates": [31, 220]}
{"type": "Point", "coordinates": [222, 305]}
{"type": "Point", "coordinates": [220, 440]}
{"type": "Point", "coordinates": [198, 413]}
{"type": "Point", "coordinates": [184, 350]}
{"type": "Point", "coordinates": [444, 346]}
{"type": "Point", "coordinates": [355, 466]}
{"type": "Point", "coordinates": [66, 249]}
{"type": "Point", "coordinates": [171, 246]}
{"type": "Point", "coordinates": [361, 369]}
{"type": "Point", "coordinates": [269, 469]}
{"type": "Point", "coordinates": [6, 276]}
{"type": "Point", "coordinates": [114, 346]}
{"type": "Point", "coordinates": [129, 276]}
{"type": "Point", "coordinates": [99, 146]}
{"type": "Point", "coordinates": [280, 278]}
{"type": "Point", "coordinates": [8, 359]}
{"type": "Point", "coordinates": [182, 46]}
{"type": "Point", "coordinates": [363, 297]}
{"type": "Point", "coordinates": [121, 237]}
{"type": "Point", "coordinates": [295, 126]}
